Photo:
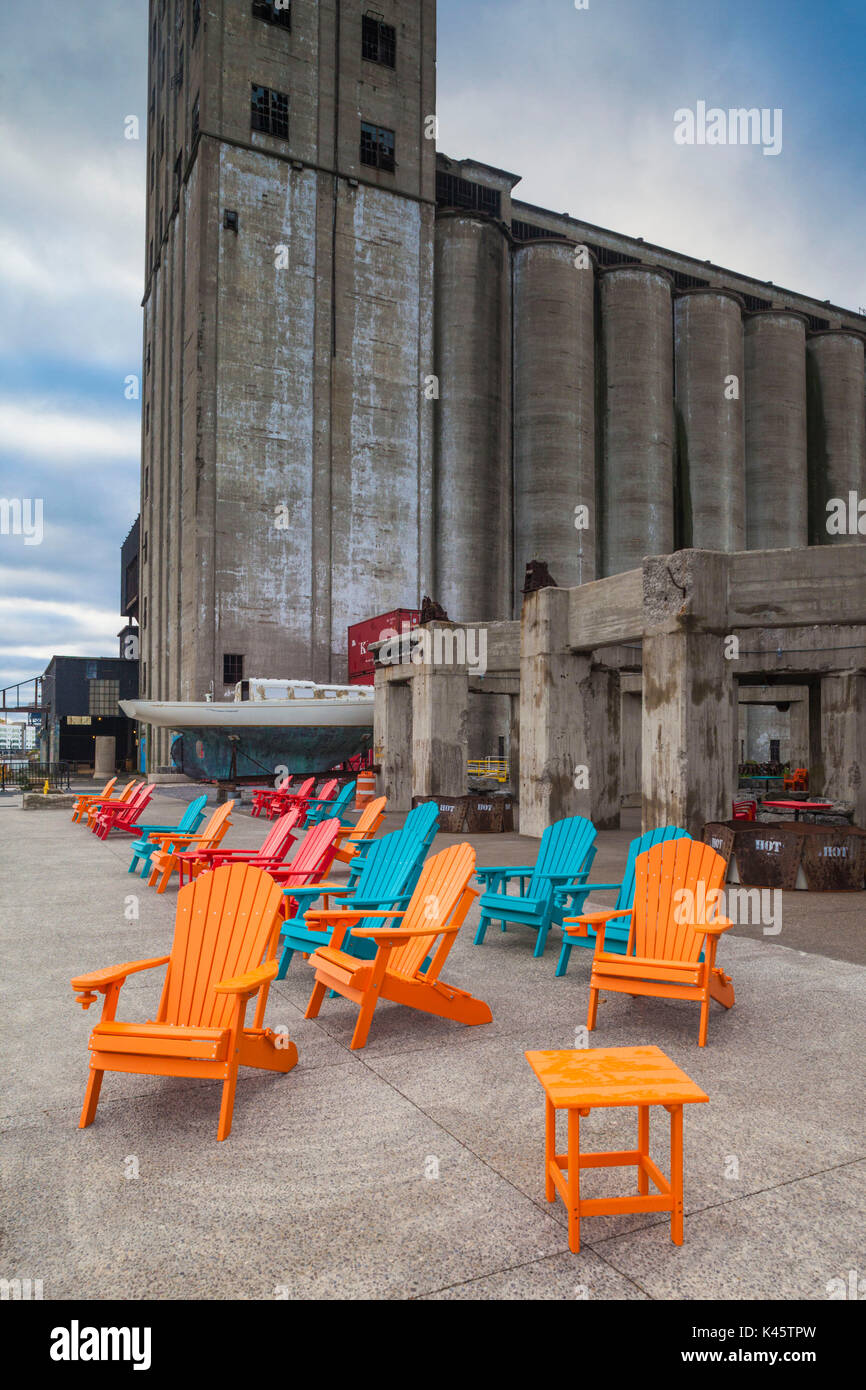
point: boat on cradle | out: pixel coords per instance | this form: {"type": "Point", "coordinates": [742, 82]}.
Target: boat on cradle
{"type": "Point", "coordinates": [270, 725]}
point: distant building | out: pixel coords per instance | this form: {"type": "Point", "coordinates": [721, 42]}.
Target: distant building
{"type": "Point", "coordinates": [80, 698]}
{"type": "Point", "coordinates": [17, 738]}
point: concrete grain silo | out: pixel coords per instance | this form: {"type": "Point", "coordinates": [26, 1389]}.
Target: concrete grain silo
{"type": "Point", "coordinates": [837, 427]}
{"type": "Point", "coordinates": [776, 455]}
{"type": "Point", "coordinates": [636, 381]}
{"type": "Point", "coordinates": [554, 411]}
{"type": "Point", "coordinates": [473, 553]}
{"type": "Point", "coordinates": [708, 346]}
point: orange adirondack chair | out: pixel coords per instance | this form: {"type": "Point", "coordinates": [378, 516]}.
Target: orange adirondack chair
{"type": "Point", "coordinates": [350, 836]}
{"type": "Point", "coordinates": [437, 908]}
{"type": "Point", "coordinates": [84, 803]}
{"type": "Point", "coordinates": [223, 953]}
{"type": "Point", "coordinates": [132, 795]}
{"type": "Point", "coordinates": [674, 920]}
{"type": "Point", "coordinates": [166, 859]}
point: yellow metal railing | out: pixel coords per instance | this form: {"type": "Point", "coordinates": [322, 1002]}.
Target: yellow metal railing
{"type": "Point", "coordinates": [488, 767]}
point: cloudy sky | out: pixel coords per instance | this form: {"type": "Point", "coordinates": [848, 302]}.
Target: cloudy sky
{"type": "Point", "coordinates": [579, 102]}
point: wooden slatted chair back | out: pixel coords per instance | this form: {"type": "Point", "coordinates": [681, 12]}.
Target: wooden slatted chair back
{"type": "Point", "coordinates": [317, 849]}
{"type": "Point", "coordinates": [676, 884]}
{"type": "Point", "coordinates": [107, 789]}
{"type": "Point", "coordinates": [190, 818]}
{"type": "Point", "coordinates": [443, 882]}
{"type": "Point", "coordinates": [129, 790]}
{"type": "Point", "coordinates": [278, 839]}
{"type": "Point", "coordinates": [625, 897]}
{"type": "Point", "coordinates": [305, 789]}
{"type": "Point", "coordinates": [227, 923]}
{"type": "Point", "coordinates": [387, 868]}
{"type": "Point", "coordinates": [370, 818]}
{"type": "Point", "coordinates": [563, 849]}
{"type": "Point", "coordinates": [211, 834]}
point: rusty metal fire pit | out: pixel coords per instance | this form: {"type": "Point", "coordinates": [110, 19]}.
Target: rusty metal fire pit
{"type": "Point", "coordinates": [787, 854]}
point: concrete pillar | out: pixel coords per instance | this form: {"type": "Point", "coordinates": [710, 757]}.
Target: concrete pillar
{"type": "Point", "coordinates": [631, 716]}
{"type": "Point", "coordinates": [798, 744]}
{"type": "Point", "coordinates": [843, 737]}
{"type": "Point", "coordinates": [440, 722]}
{"type": "Point", "coordinates": [514, 744]}
{"type": "Point", "coordinates": [569, 723]}
{"type": "Point", "coordinates": [815, 761]}
{"type": "Point", "coordinates": [104, 760]}
{"type": "Point", "coordinates": [392, 742]}
{"type": "Point", "coordinates": [689, 706]}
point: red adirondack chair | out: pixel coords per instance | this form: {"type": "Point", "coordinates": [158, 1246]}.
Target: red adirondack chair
{"type": "Point", "coordinates": [269, 856]}
{"type": "Point", "coordinates": [312, 862]}
{"type": "Point", "coordinates": [289, 801]}
{"type": "Point", "coordinates": [263, 796]}
{"type": "Point", "coordinates": [122, 817]}
{"type": "Point", "coordinates": [745, 810]}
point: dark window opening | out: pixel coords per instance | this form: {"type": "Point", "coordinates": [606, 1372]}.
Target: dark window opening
{"type": "Point", "coordinates": [818, 325]}
{"type": "Point", "coordinates": [195, 118]}
{"type": "Point", "coordinates": [274, 12]}
{"type": "Point", "coordinates": [196, 18]}
{"type": "Point", "coordinates": [269, 112]}
{"type": "Point", "coordinates": [605, 256]}
{"type": "Point", "coordinates": [454, 192]}
{"type": "Point", "coordinates": [378, 41]}
{"type": "Point", "coordinates": [528, 231]}
{"type": "Point", "coordinates": [775, 750]}
{"type": "Point", "coordinates": [144, 614]}
{"type": "Point", "coordinates": [688, 282]}
{"type": "Point", "coordinates": [754, 304]}
{"type": "Point", "coordinates": [377, 147]}
{"type": "Point", "coordinates": [146, 483]}
{"type": "Point", "coordinates": [233, 669]}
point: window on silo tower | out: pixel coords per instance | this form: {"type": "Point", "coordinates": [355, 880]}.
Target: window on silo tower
{"type": "Point", "coordinates": [269, 112]}
{"type": "Point", "coordinates": [377, 147]}
{"type": "Point", "coordinates": [233, 669]}
{"type": "Point", "coordinates": [378, 40]}
{"type": "Point", "coordinates": [274, 12]}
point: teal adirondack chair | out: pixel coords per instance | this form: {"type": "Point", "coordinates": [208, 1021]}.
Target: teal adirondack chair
{"type": "Point", "coordinates": [188, 824]}
{"type": "Point", "coordinates": [565, 855]}
{"type": "Point", "coordinates": [422, 823]}
{"type": "Point", "coordinates": [572, 897]}
{"type": "Point", "coordinates": [338, 809]}
{"type": "Point", "coordinates": [387, 879]}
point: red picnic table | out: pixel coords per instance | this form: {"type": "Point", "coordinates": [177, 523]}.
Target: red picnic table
{"type": "Point", "coordinates": [798, 806]}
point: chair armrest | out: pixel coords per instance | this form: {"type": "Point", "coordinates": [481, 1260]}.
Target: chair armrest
{"type": "Point", "coordinates": [102, 980]}
{"type": "Point", "coordinates": [594, 919]}
{"type": "Point", "coordinates": [395, 938]}
{"type": "Point", "coordinates": [506, 871]}
{"type": "Point", "coordinates": [711, 928]}
{"type": "Point", "coordinates": [251, 981]}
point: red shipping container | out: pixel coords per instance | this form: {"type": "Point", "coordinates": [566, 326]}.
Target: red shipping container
{"type": "Point", "coordinates": [361, 668]}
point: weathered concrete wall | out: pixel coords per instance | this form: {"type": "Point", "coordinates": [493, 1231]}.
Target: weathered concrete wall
{"type": "Point", "coordinates": [708, 335]}
{"type": "Point", "coordinates": [554, 412]}
{"type": "Point", "coordinates": [440, 701]}
{"type": "Point", "coordinates": [843, 738]}
{"type": "Point", "coordinates": [837, 429]}
{"type": "Point", "coordinates": [636, 365]}
{"type": "Point", "coordinates": [392, 741]}
{"type": "Point", "coordinates": [689, 711]}
{"type": "Point", "coordinates": [473, 419]}
{"type": "Point", "coordinates": [777, 510]}
{"type": "Point", "coordinates": [569, 723]}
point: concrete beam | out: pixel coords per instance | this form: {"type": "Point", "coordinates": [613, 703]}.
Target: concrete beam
{"type": "Point", "coordinates": [792, 588]}
{"type": "Point", "coordinates": [793, 651]}
{"type": "Point", "coordinates": [606, 612]}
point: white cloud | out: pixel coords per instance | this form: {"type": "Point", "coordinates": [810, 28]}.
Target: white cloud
{"type": "Point", "coordinates": [33, 429]}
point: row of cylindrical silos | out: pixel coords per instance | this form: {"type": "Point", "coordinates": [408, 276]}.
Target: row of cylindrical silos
{"type": "Point", "coordinates": [591, 417]}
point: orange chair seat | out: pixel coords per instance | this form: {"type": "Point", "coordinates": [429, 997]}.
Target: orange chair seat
{"type": "Point", "coordinates": [343, 966]}
{"type": "Point", "coordinates": [641, 968]}
{"type": "Point", "coordinates": [161, 1040]}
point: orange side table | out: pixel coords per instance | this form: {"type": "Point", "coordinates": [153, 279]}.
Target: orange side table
{"type": "Point", "coordinates": [602, 1077]}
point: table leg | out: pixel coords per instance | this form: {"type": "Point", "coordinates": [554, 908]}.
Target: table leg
{"type": "Point", "coordinates": [677, 1174]}
{"type": "Point", "coordinates": [549, 1148]}
{"type": "Point", "coordinates": [573, 1181]}
{"type": "Point", "coordinates": [643, 1147]}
